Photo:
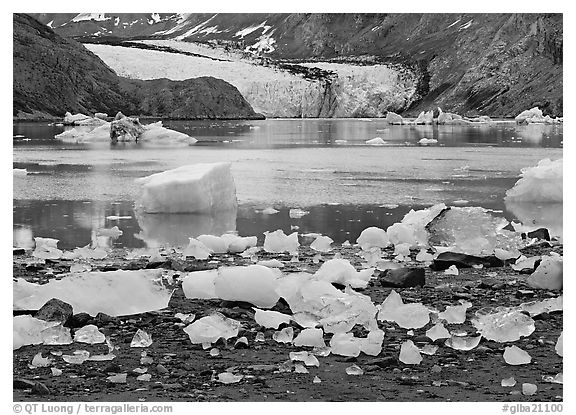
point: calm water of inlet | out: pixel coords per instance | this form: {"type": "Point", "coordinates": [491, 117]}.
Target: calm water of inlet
{"type": "Point", "coordinates": [321, 166]}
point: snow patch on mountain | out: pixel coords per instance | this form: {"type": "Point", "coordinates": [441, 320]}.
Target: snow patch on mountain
{"type": "Point", "coordinates": [99, 17]}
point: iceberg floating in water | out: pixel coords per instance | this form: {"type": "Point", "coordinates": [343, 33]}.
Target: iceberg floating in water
{"type": "Point", "coordinates": [542, 183]}
{"type": "Point", "coordinates": [203, 187]}
{"type": "Point", "coordinates": [156, 133]}
{"type": "Point", "coordinates": [115, 293]}
{"type": "Point", "coordinates": [211, 328]}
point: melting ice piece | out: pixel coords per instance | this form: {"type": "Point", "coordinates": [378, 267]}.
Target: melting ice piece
{"type": "Point", "coordinates": [308, 358]}
{"type": "Point", "coordinates": [412, 229]}
{"type": "Point", "coordinates": [56, 335]}
{"type": "Point", "coordinates": [549, 274]}
{"type": "Point", "coordinates": [560, 345]}
{"type": "Point", "coordinates": [253, 284]}
{"type": "Point", "coordinates": [300, 368]}
{"type": "Point", "coordinates": [144, 378]}
{"type": "Point", "coordinates": [525, 263]}
{"type": "Point", "coordinates": [77, 358]}
{"type": "Point", "coordinates": [89, 334]}
{"type": "Point", "coordinates": [427, 141]}
{"type": "Point", "coordinates": [503, 324]}
{"type": "Point", "coordinates": [228, 377]}
{"type": "Point", "coordinates": [195, 188]}
{"type": "Point", "coordinates": [377, 141]}
{"type": "Point", "coordinates": [310, 337]}
{"type": "Point", "coordinates": [508, 382]}
{"type": "Point", "coordinates": [529, 389]}
{"type": "Point", "coordinates": [297, 213]}
{"type": "Point", "coordinates": [513, 355]}
{"type": "Point", "coordinates": [548, 305]}
{"type": "Point", "coordinates": [322, 244]}
{"type": "Point", "coordinates": [373, 237]}
{"type": "Point", "coordinates": [559, 378]}
{"type": "Point", "coordinates": [46, 248]}
{"type": "Point", "coordinates": [354, 370]}
{"type": "Point", "coordinates": [270, 211]}
{"type": "Point", "coordinates": [345, 344]}
{"type": "Point", "coordinates": [119, 378]}
{"type": "Point", "coordinates": [284, 336]}
{"type": "Point", "coordinates": [55, 371]}
{"type": "Point", "coordinates": [278, 242]}
{"type": "Point", "coordinates": [28, 330]}
{"type": "Point", "coordinates": [316, 380]}
{"type": "Point", "coordinates": [424, 256]}
{"type": "Point", "coordinates": [237, 244]}
{"type": "Point", "coordinates": [340, 271]}
{"type": "Point", "coordinates": [271, 263]}
{"type": "Point", "coordinates": [141, 339]}
{"type": "Point", "coordinates": [438, 331]}
{"type": "Point", "coordinates": [39, 361]}
{"type": "Point", "coordinates": [463, 343]}
{"type": "Point", "coordinates": [451, 270]}
{"type": "Point", "coordinates": [468, 230]}
{"type": "Point", "coordinates": [409, 353]}
{"type": "Point", "coordinates": [115, 293]}
{"type": "Point", "coordinates": [200, 284]}
{"type": "Point", "coordinates": [455, 314]}
{"type": "Point", "coordinates": [156, 133]}
{"type": "Point", "coordinates": [408, 316]}
{"type": "Point", "coordinates": [271, 319]}
{"type": "Point", "coordinates": [372, 344]}
{"type": "Point", "coordinates": [113, 232]}
{"type": "Point", "coordinates": [429, 349]}
{"type": "Point", "coordinates": [211, 328]}
{"type": "Point", "coordinates": [542, 183]}
{"type": "Point", "coordinates": [197, 250]}
{"type": "Point", "coordinates": [214, 243]}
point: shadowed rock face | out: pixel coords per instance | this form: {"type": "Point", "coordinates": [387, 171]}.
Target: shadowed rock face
{"type": "Point", "coordinates": [53, 75]}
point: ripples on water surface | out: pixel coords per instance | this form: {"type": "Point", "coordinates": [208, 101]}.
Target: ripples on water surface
{"type": "Point", "coordinates": [322, 166]}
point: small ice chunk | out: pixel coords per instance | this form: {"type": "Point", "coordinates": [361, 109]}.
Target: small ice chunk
{"type": "Point", "coordinates": [271, 263]}
{"type": "Point", "coordinates": [297, 213]}
{"type": "Point", "coordinates": [300, 368]}
{"type": "Point", "coordinates": [340, 271]}
{"type": "Point", "coordinates": [113, 232]}
{"type": "Point", "coordinates": [322, 244]}
{"type": "Point", "coordinates": [408, 316]}
{"type": "Point", "coordinates": [144, 378]}
{"type": "Point", "coordinates": [513, 355]}
{"type": "Point", "coordinates": [525, 263]}
{"type": "Point", "coordinates": [259, 338]}
{"type": "Point", "coordinates": [197, 250]}
{"type": "Point", "coordinates": [373, 237]}
{"type": "Point", "coordinates": [372, 344]}
{"type": "Point", "coordinates": [377, 141]}
{"type": "Point", "coordinates": [278, 242]}
{"type": "Point", "coordinates": [548, 305]}
{"type": "Point", "coordinates": [503, 324]}
{"type": "Point", "coordinates": [310, 337]}
{"type": "Point", "coordinates": [270, 211]}
{"type": "Point", "coordinates": [438, 331]}
{"type": "Point", "coordinates": [427, 141]}
{"type": "Point", "coordinates": [46, 248]}
{"type": "Point", "coordinates": [214, 243]}
{"type": "Point", "coordinates": [77, 358]}
{"type": "Point", "coordinates": [508, 382]}
{"type": "Point", "coordinates": [409, 353]}
{"type": "Point", "coordinates": [228, 377]}
{"type": "Point", "coordinates": [119, 378]}
{"type": "Point", "coordinates": [55, 371]}
{"type": "Point", "coordinates": [28, 330]}
{"type": "Point", "coordinates": [211, 328]}
{"type": "Point", "coordinates": [424, 256]}
{"type": "Point", "coordinates": [39, 361]}
{"type": "Point", "coordinates": [316, 379]}
{"type": "Point", "coordinates": [549, 274]}
{"type": "Point", "coordinates": [56, 335]}
{"type": "Point", "coordinates": [345, 344]}
{"type": "Point", "coordinates": [354, 370]}
{"type": "Point", "coordinates": [89, 334]}
{"type": "Point", "coordinates": [200, 284]}
{"type": "Point", "coordinates": [559, 345]}
{"type": "Point", "coordinates": [451, 270]}
{"type": "Point", "coordinates": [214, 352]}
{"type": "Point", "coordinates": [308, 358]}
{"type": "Point", "coordinates": [271, 319]}
{"type": "Point", "coordinates": [429, 349]}
{"type": "Point", "coordinates": [253, 284]}
{"type": "Point", "coordinates": [141, 339]}
{"type": "Point", "coordinates": [455, 314]}
{"type": "Point", "coordinates": [283, 336]}
{"type": "Point", "coordinates": [196, 188]}
{"type": "Point", "coordinates": [529, 389]}
{"type": "Point", "coordinates": [185, 318]}
{"type": "Point", "coordinates": [505, 255]}
{"type": "Point", "coordinates": [463, 343]}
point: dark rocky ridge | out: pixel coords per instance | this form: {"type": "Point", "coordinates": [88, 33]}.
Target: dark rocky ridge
{"type": "Point", "coordinates": [53, 75]}
{"type": "Point", "coordinates": [497, 65]}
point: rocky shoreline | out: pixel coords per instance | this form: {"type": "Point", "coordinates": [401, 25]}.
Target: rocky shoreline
{"type": "Point", "coordinates": [182, 371]}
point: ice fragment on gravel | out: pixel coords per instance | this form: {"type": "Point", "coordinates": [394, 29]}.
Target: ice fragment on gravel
{"type": "Point", "coordinates": [429, 349]}
{"type": "Point", "coordinates": [463, 343]}
{"type": "Point", "coordinates": [200, 284]}
{"type": "Point", "coordinates": [56, 335]}
{"type": "Point", "coordinates": [271, 319]}
{"type": "Point", "coordinates": [451, 270]}
{"type": "Point", "coordinates": [560, 345]}
{"type": "Point", "coordinates": [203, 187]}
{"type": "Point", "coordinates": [300, 368]}
{"type": "Point", "coordinates": [340, 271]}
{"type": "Point", "coordinates": [278, 242]}
{"type": "Point", "coordinates": [284, 336]}
{"type": "Point", "coordinates": [211, 328]}
{"type": "Point", "coordinates": [513, 355]}
{"type": "Point", "coordinates": [525, 263]}
{"type": "Point", "coordinates": [77, 358]}
{"type": "Point", "coordinates": [424, 256]}
{"type": "Point", "coordinates": [316, 380]}
{"type": "Point", "coordinates": [39, 361]}
{"type": "Point", "coordinates": [508, 382]}
{"type": "Point", "coordinates": [141, 339]}
{"type": "Point", "coordinates": [115, 293]}
{"type": "Point", "coordinates": [55, 371]}
{"type": "Point", "coordinates": [503, 324]}
{"type": "Point", "coordinates": [306, 357]}
{"type": "Point", "coordinates": [144, 378]}
{"type": "Point", "coordinates": [354, 370]}
{"type": "Point", "coordinates": [438, 331]}
{"type": "Point", "coordinates": [549, 274]}
{"type": "Point", "coordinates": [197, 250]}
{"type": "Point", "coordinates": [253, 284]}
{"type": "Point", "coordinates": [455, 314]}
{"type": "Point", "coordinates": [27, 330]}
{"type": "Point", "coordinates": [185, 318]}
{"type": "Point", "coordinates": [409, 353]}
{"type": "Point", "coordinates": [119, 378]}
{"type": "Point", "coordinates": [271, 263]}
{"type": "Point", "coordinates": [310, 337]}
{"type": "Point", "coordinates": [548, 305]}
{"type": "Point", "coordinates": [529, 389]}
{"type": "Point", "coordinates": [322, 244]}
{"type": "Point", "coordinates": [373, 237]}
{"type": "Point", "coordinates": [408, 316]}
{"type": "Point", "coordinates": [412, 229]}
{"type": "Point", "coordinates": [46, 248]}
{"type": "Point", "coordinates": [89, 334]}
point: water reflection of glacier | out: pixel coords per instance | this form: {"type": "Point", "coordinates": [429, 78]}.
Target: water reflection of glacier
{"type": "Point", "coordinates": [163, 229]}
{"type": "Point", "coordinates": [538, 215]}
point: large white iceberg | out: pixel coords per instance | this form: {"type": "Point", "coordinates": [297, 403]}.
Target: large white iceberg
{"type": "Point", "coordinates": [542, 183]}
{"type": "Point", "coordinates": [203, 187]}
{"type": "Point", "coordinates": [156, 133]}
{"type": "Point", "coordinates": [115, 293]}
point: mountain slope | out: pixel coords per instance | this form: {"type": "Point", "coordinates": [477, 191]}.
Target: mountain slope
{"type": "Point", "coordinates": [494, 64]}
{"type": "Point", "coordinates": [53, 75]}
